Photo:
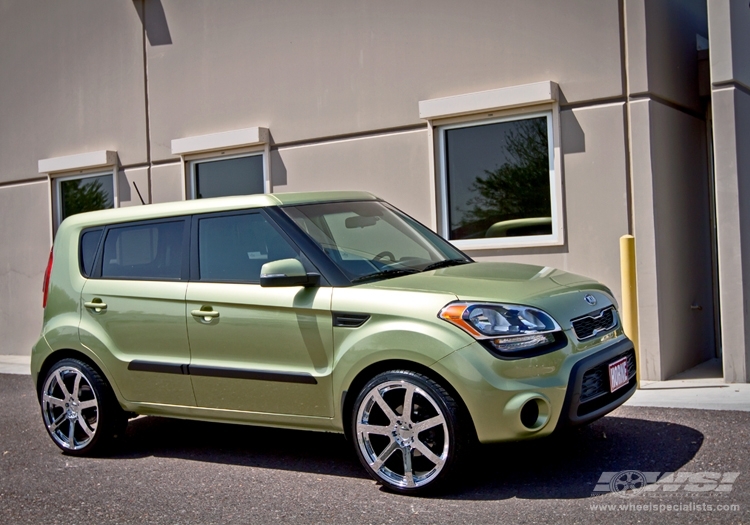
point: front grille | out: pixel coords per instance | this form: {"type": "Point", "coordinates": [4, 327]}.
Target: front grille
{"type": "Point", "coordinates": [595, 383]}
{"type": "Point", "coordinates": [594, 323]}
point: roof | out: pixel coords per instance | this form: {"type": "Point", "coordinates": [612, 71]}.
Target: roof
{"type": "Point", "coordinates": [188, 207]}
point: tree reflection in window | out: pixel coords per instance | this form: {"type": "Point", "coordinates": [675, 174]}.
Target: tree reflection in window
{"type": "Point", "coordinates": [499, 179]}
{"type": "Point", "coordinates": [86, 194]}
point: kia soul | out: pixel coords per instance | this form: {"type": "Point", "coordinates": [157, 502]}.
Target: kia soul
{"type": "Point", "coordinates": [327, 312]}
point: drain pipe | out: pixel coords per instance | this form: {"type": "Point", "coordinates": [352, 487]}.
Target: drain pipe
{"type": "Point", "coordinates": [629, 310]}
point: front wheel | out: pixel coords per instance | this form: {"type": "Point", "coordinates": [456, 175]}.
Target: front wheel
{"type": "Point", "coordinates": [79, 409]}
{"type": "Point", "coordinates": [407, 431]}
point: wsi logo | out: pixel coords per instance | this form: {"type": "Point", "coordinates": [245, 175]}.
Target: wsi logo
{"type": "Point", "coordinates": [628, 483]}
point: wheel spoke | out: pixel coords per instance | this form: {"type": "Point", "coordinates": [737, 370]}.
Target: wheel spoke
{"type": "Point", "coordinates": [389, 413]}
{"type": "Point", "coordinates": [408, 470]}
{"type": "Point", "coordinates": [71, 433]}
{"type": "Point", "coordinates": [76, 387]}
{"type": "Point", "coordinates": [57, 422]}
{"type": "Point", "coordinates": [383, 456]}
{"type": "Point", "coordinates": [60, 383]}
{"type": "Point", "coordinates": [428, 423]}
{"type": "Point", "coordinates": [374, 429]}
{"type": "Point", "coordinates": [53, 400]}
{"type": "Point", "coordinates": [85, 426]}
{"type": "Point", "coordinates": [87, 404]}
{"type": "Point", "coordinates": [429, 454]}
{"type": "Point", "coordinates": [408, 401]}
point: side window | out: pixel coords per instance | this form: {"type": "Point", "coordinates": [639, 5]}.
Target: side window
{"type": "Point", "coordinates": [81, 193]}
{"type": "Point", "coordinates": [234, 247]}
{"type": "Point", "coordinates": [146, 251]}
{"type": "Point", "coordinates": [89, 243]}
{"type": "Point", "coordinates": [223, 177]}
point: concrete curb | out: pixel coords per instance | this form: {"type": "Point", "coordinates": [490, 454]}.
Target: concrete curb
{"type": "Point", "coordinates": [15, 364]}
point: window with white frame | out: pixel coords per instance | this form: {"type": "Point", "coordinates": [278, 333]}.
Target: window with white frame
{"type": "Point", "coordinates": [225, 163]}
{"type": "Point", "coordinates": [84, 192]}
{"type": "Point", "coordinates": [498, 176]}
{"type": "Point", "coordinates": [225, 176]}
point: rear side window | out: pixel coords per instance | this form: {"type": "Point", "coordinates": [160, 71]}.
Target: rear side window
{"type": "Point", "coordinates": [235, 247]}
{"type": "Point", "coordinates": [146, 251]}
{"type": "Point", "coordinates": [89, 243]}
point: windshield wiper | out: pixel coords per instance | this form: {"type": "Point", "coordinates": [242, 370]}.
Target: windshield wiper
{"type": "Point", "coordinates": [384, 274]}
{"type": "Point", "coordinates": [444, 264]}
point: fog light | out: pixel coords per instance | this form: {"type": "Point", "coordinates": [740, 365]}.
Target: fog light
{"type": "Point", "coordinates": [522, 342]}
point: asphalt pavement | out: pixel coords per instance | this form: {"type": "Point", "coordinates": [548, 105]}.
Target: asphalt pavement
{"type": "Point", "coordinates": [172, 471]}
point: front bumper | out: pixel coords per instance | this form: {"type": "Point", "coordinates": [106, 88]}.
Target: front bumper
{"type": "Point", "coordinates": [588, 396]}
{"type": "Point", "coordinates": [570, 387]}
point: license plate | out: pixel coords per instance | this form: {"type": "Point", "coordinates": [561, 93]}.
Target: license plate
{"type": "Point", "coordinates": [618, 374]}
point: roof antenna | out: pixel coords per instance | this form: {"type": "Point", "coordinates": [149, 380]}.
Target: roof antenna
{"type": "Point", "coordinates": [139, 193]}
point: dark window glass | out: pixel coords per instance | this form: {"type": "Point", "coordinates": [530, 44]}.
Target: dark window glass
{"type": "Point", "coordinates": [234, 247]}
{"type": "Point", "coordinates": [221, 178]}
{"type": "Point", "coordinates": [149, 251]}
{"type": "Point", "coordinates": [87, 194]}
{"type": "Point", "coordinates": [499, 179]}
{"type": "Point", "coordinates": [89, 242]}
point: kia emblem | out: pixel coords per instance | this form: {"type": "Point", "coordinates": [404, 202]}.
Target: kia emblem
{"type": "Point", "coordinates": [589, 299]}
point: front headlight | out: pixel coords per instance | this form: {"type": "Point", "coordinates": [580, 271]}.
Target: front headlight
{"type": "Point", "coordinates": [506, 327]}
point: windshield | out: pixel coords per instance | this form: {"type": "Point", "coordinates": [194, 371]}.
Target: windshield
{"type": "Point", "coordinates": [371, 240]}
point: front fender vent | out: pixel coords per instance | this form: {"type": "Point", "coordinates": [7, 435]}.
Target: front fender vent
{"type": "Point", "coordinates": [347, 320]}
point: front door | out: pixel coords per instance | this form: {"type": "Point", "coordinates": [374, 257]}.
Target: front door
{"type": "Point", "coordinates": [255, 349]}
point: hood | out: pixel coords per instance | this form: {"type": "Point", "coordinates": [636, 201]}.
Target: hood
{"type": "Point", "coordinates": [555, 291]}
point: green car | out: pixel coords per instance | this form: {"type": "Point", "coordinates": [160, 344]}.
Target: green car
{"type": "Point", "coordinates": [331, 312]}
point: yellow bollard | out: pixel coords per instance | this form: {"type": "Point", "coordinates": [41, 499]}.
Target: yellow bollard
{"type": "Point", "coordinates": [629, 308]}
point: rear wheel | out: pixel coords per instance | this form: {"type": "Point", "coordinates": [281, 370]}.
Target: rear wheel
{"type": "Point", "coordinates": [407, 431]}
{"type": "Point", "coordinates": [79, 409]}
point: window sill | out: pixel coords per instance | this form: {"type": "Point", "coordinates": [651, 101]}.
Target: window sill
{"type": "Point", "coordinates": [498, 243]}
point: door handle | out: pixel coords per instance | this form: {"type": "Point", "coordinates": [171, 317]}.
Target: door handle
{"type": "Point", "coordinates": [97, 305]}
{"type": "Point", "coordinates": [205, 315]}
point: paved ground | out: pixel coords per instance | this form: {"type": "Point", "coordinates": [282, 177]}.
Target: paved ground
{"type": "Point", "coordinates": [172, 471]}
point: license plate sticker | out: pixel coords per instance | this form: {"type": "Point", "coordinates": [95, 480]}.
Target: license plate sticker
{"type": "Point", "coordinates": [618, 374]}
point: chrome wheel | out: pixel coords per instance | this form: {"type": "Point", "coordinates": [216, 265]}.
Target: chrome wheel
{"type": "Point", "coordinates": [402, 433]}
{"type": "Point", "coordinates": [70, 408]}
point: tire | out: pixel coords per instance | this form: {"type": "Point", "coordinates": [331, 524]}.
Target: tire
{"type": "Point", "coordinates": [79, 409]}
{"type": "Point", "coordinates": [408, 453]}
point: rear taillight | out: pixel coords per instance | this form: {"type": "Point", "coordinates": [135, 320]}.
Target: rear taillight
{"type": "Point", "coordinates": [45, 285]}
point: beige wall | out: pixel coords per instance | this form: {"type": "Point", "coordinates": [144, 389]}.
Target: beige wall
{"type": "Point", "coordinates": [729, 32]}
{"type": "Point", "coordinates": [338, 82]}
{"type": "Point", "coordinates": [25, 239]}
{"type": "Point", "coordinates": [315, 69]}
{"type": "Point", "coordinates": [731, 109]}
{"type": "Point", "coordinates": [393, 166]}
{"type": "Point", "coordinates": [71, 82]}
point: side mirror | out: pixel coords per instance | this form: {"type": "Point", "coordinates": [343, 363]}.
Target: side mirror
{"type": "Point", "coordinates": [287, 272]}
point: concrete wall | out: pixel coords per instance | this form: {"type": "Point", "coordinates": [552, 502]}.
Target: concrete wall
{"type": "Point", "coordinates": [308, 70]}
{"type": "Point", "coordinates": [26, 241]}
{"type": "Point", "coordinates": [729, 33]}
{"type": "Point", "coordinates": [71, 82]}
{"type": "Point", "coordinates": [337, 83]}
{"type": "Point", "coordinates": [670, 185]}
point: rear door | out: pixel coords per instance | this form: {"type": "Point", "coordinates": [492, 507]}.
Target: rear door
{"type": "Point", "coordinates": [255, 349]}
{"type": "Point", "coordinates": [134, 310]}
